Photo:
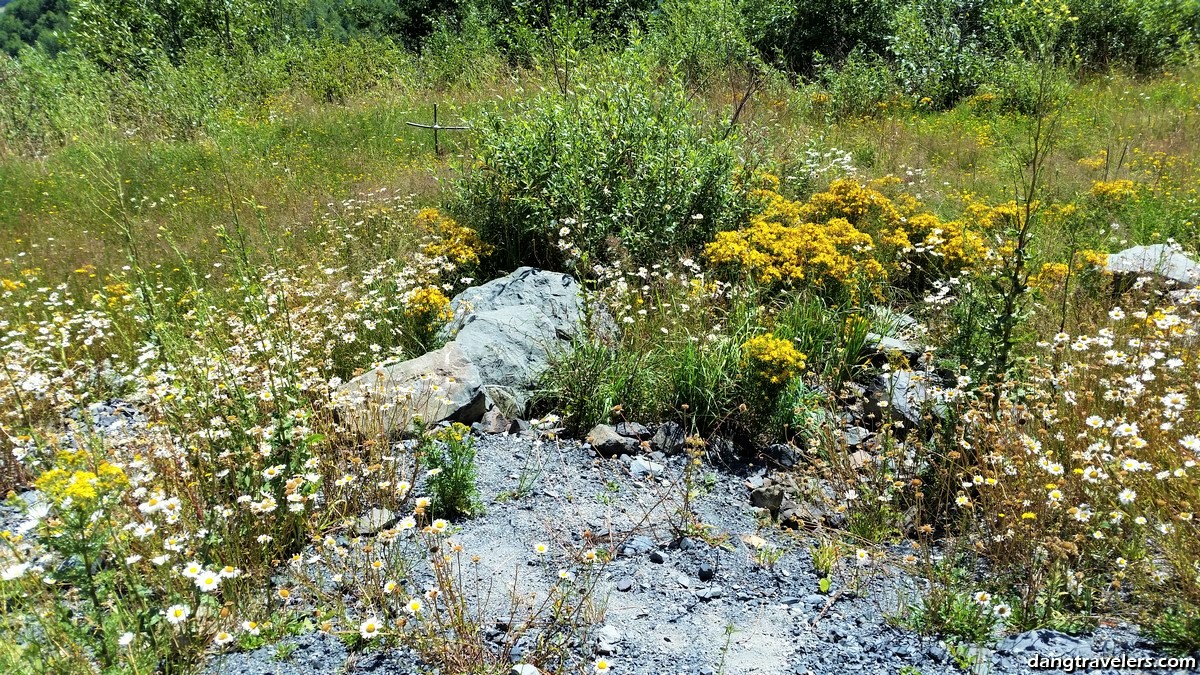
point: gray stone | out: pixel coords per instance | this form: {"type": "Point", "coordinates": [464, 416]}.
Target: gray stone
{"type": "Point", "coordinates": [657, 557]}
{"type": "Point", "coordinates": [633, 430]}
{"type": "Point", "coordinates": [769, 497]}
{"type": "Point", "coordinates": [493, 422]}
{"type": "Point", "coordinates": [500, 342]}
{"type": "Point", "coordinates": [605, 440]}
{"type": "Point", "coordinates": [784, 454]}
{"type": "Point", "coordinates": [638, 544]}
{"type": "Point", "coordinates": [641, 467]}
{"type": "Point", "coordinates": [524, 669]}
{"type": "Point", "coordinates": [855, 436]}
{"type": "Point", "coordinates": [1159, 259]}
{"type": "Point", "coordinates": [706, 572]}
{"type": "Point", "coordinates": [607, 637]}
{"type": "Point", "coordinates": [910, 394]}
{"type": "Point", "coordinates": [668, 438]}
{"type": "Point", "coordinates": [711, 593]}
{"type": "Point", "coordinates": [512, 347]}
{"type": "Point", "coordinates": [556, 295]}
{"type": "Point", "coordinates": [625, 584]}
{"type": "Point", "coordinates": [886, 344]}
{"type": "Point", "coordinates": [441, 385]}
{"type": "Point", "coordinates": [375, 520]}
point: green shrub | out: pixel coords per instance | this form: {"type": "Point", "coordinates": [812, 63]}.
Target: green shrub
{"type": "Point", "coordinates": [700, 38]}
{"type": "Point", "coordinates": [618, 168]}
{"type": "Point", "coordinates": [798, 36]}
{"type": "Point", "coordinates": [449, 454]}
{"type": "Point", "coordinates": [859, 87]}
{"type": "Point", "coordinates": [594, 377]}
{"type": "Point", "coordinates": [1178, 629]}
{"type": "Point", "coordinates": [954, 614]}
{"type": "Point", "coordinates": [935, 52]}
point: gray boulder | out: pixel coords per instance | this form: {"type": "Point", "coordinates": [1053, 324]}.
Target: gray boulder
{"type": "Point", "coordinates": [555, 295]}
{"type": "Point", "coordinates": [511, 346]}
{"type": "Point", "coordinates": [605, 440]}
{"type": "Point", "coordinates": [441, 385]}
{"type": "Point", "coordinates": [501, 340]}
{"type": "Point", "coordinates": [668, 439]}
{"type": "Point", "coordinates": [897, 332]}
{"type": "Point", "coordinates": [910, 395]}
{"type": "Point", "coordinates": [1159, 259]}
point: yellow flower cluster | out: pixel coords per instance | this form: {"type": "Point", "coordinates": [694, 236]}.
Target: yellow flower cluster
{"type": "Point", "coordinates": [783, 244]}
{"type": "Point", "coordinates": [1114, 191]}
{"type": "Point", "coordinates": [775, 359]}
{"type": "Point", "coordinates": [1049, 276]}
{"type": "Point", "coordinates": [72, 480]}
{"type": "Point", "coordinates": [448, 239]}
{"type": "Point", "coordinates": [428, 301]}
{"type": "Point", "coordinates": [850, 231]}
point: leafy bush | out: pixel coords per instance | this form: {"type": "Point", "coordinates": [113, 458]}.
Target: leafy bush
{"type": "Point", "coordinates": [621, 167]}
{"type": "Point", "coordinates": [964, 618]}
{"type": "Point", "coordinates": [700, 38]}
{"type": "Point", "coordinates": [798, 36]}
{"type": "Point", "coordinates": [449, 454]}
{"type": "Point", "coordinates": [936, 52]}
{"type": "Point", "coordinates": [859, 86]}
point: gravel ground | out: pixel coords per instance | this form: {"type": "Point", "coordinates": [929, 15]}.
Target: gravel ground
{"type": "Point", "coordinates": [683, 606]}
{"type": "Point", "coordinates": [671, 605]}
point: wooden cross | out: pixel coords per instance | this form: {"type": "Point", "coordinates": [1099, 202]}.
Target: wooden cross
{"type": "Point", "coordinates": [436, 128]}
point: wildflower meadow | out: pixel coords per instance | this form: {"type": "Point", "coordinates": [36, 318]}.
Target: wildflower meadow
{"type": "Point", "coordinates": [708, 336]}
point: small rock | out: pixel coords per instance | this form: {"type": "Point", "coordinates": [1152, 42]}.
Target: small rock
{"type": "Point", "coordinates": [493, 422]}
{"type": "Point", "coordinates": [770, 498]}
{"type": "Point", "coordinates": [518, 426]}
{"type": "Point", "coordinates": [657, 557]}
{"type": "Point", "coordinates": [784, 454]}
{"type": "Point", "coordinates": [860, 459]}
{"type": "Point", "coordinates": [639, 544]}
{"type": "Point", "coordinates": [607, 637]}
{"type": "Point", "coordinates": [641, 467]}
{"type": "Point", "coordinates": [668, 439]}
{"type": "Point", "coordinates": [711, 593]}
{"type": "Point", "coordinates": [375, 520]}
{"type": "Point", "coordinates": [856, 436]}
{"type": "Point", "coordinates": [633, 430]}
{"type": "Point", "coordinates": [608, 633]}
{"type": "Point", "coordinates": [625, 584]}
{"type": "Point", "coordinates": [605, 440]}
{"type": "Point", "coordinates": [706, 572]}
{"type": "Point", "coordinates": [524, 669]}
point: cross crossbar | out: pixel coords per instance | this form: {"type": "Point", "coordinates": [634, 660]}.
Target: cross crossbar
{"type": "Point", "coordinates": [437, 148]}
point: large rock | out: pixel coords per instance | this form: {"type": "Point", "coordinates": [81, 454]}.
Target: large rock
{"type": "Point", "coordinates": [511, 346]}
{"type": "Point", "coordinates": [1159, 259]}
{"type": "Point", "coordinates": [500, 342]}
{"type": "Point", "coordinates": [441, 385]}
{"type": "Point", "coordinates": [556, 296]}
{"type": "Point", "coordinates": [910, 395]}
{"type": "Point", "coordinates": [898, 333]}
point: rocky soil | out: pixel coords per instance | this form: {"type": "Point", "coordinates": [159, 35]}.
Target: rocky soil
{"type": "Point", "coordinates": [681, 605]}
